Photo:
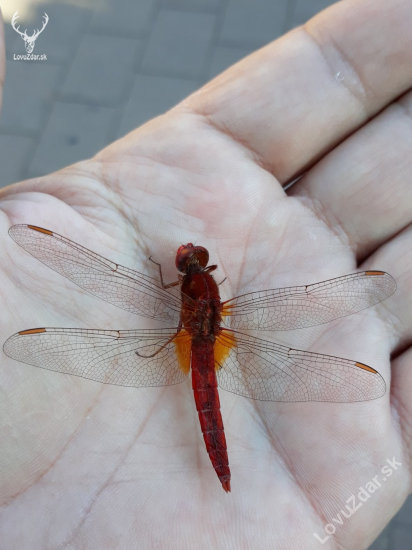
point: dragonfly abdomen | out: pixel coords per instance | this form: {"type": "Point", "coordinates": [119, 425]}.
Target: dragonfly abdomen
{"type": "Point", "coordinates": [206, 395]}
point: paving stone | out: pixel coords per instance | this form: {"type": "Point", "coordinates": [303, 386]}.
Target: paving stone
{"type": "Point", "coordinates": [152, 96]}
{"type": "Point", "coordinates": [14, 155]}
{"type": "Point", "coordinates": [304, 10]}
{"type": "Point", "coordinates": [256, 23]}
{"type": "Point", "coordinates": [60, 37]}
{"type": "Point", "coordinates": [101, 70]}
{"type": "Point", "coordinates": [74, 132]}
{"type": "Point", "coordinates": [123, 17]}
{"type": "Point", "coordinates": [223, 58]}
{"type": "Point", "coordinates": [179, 44]}
{"type": "Point", "coordinates": [29, 88]}
{"type": "Point", "coordinates": [194, 5]}
{"type": "Point", "coordinates": [401, 538]}
{"type": "Point", "coordinates": [404, 515]}
{"type": "Point", "coordinates": [382, 542]}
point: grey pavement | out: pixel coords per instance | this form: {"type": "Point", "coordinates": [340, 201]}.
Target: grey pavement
{"type": "Point", "coordinates": [111, 68]}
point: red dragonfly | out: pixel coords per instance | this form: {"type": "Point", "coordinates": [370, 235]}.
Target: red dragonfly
{"type": "Point", "coordinates": [204, 335]}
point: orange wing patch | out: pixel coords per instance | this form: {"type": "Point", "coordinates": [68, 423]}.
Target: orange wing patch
{"type": "Point", "coordinates": [369, 273]}
{"type": "Point", "coordinates": [366, 367]}
{"type": "Point", "coordinates": [40, 229]}
{"type": "Point", "coordinates": [226, 310]}
{"type": "Point", "coordinates": [183, 343]}
{"type": "Point", "coordinates": [223, 344]}
{"type": "Point", "coordinates": [32, 331]}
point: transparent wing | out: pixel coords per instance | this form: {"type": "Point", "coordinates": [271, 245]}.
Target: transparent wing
{"type": "Point", "coordinates": [121, 286]}
{"type": "Point", "coordinates": [304, 306]}
{"type": "Point", "coordinates": [122, 358]}
{"type": "Point", "coordinates": [266, 371]}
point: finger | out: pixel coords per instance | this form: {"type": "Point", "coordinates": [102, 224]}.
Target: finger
{"type": "Point", "coordinates": [292, 101]}
{"type": "Point", "coordinates": [398, 315]}
{"type": "Point", "coordinates": [401, 388]}
{"type": "Point", "coordinates": [363, 187]}
{"type": "Point", "coordinates": [397, 309]}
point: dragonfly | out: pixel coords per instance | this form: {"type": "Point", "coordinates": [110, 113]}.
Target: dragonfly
{"type": "Point", "coordinates": [205, 335]}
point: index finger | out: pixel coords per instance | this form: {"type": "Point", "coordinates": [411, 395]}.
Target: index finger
{"type": "Point", "coordinates": [294, 100]}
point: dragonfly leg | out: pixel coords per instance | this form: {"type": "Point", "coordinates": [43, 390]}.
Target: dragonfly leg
{"type": "Point", "coordinates": [209, 268]}
{"type": "Point", "coordinates": [212, 268]}
{"type": "Point", "coordinates": [175, 283]}
{"type": "Point", "coordinates": [164, 345]}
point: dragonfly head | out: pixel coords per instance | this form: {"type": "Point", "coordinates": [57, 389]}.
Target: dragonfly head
{"type": "Point", "coordinates": [188, 254]}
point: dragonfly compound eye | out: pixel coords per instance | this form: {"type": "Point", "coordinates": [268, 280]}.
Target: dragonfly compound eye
{"type": "Point", "coordinates": [189, 254]}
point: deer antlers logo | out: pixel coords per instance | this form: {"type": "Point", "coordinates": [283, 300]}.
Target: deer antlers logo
{"type": "Point", "coordinates": [29, 40]}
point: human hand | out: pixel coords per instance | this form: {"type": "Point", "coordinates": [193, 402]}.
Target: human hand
{"type": "Point", "coordinates": [92, 465]}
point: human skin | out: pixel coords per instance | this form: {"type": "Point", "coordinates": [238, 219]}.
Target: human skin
{"type": "Point", "coordinates": [85, 465]}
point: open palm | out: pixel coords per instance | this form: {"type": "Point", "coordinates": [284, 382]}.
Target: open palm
{"type": "Point", "coordinates": [86, 465]}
